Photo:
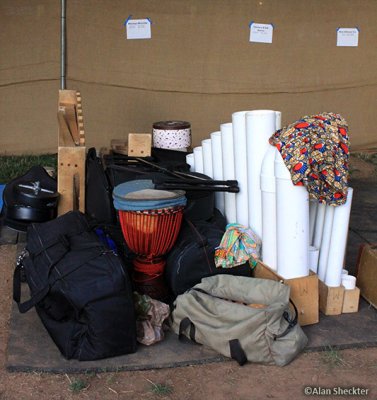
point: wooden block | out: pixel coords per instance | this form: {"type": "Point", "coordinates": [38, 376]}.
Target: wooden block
{"type": "Point", "coordinates": [71, 120]}
{"type": "Point", "coordinates": [351, 300]}
{"type": "Point", "coordinates": [71, 179]}
{"type": "Point", "coordinates": [330, 299]}
{"type": "Point", "coordinates": [139, 144]}
{"type": "Point", "coordinates": [367, 273]}
{"type": "Point", "coordinates": [304, 292]}
{"type": "Point", "coordinates": [67, 97]}
{"type": "Point", "coordinates": [119, 146]}
{"type": "Point", "coordinates": [65, 138]}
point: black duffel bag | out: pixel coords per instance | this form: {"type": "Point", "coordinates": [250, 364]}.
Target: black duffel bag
{"type": "Point", "coordinates": [79, 288]}
{"type": "Point", "coordinates": [192, 257]}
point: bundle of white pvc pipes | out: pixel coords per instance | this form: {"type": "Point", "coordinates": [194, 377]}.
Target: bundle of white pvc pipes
{"type": "Point", "coordinates": [296, 234]}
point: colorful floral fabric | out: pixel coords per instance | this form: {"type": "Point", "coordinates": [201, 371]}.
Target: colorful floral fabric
{"type": "Point", "coordinates": [315, 149]}
{"type": "Point", "coordinates": [238, 245]}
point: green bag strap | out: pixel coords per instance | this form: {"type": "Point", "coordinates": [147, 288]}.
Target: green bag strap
{"type": "Point", "coordinates": [183, 325]}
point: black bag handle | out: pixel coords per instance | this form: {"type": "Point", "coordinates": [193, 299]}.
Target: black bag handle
{"type": "Point", "coordinates": [237, 352]}
{"type": "Point", "coordinates": [183, 325]}
{"type": "Point", "coordinates": [28, 304]}
{"type": "Point", "coordinates": [291, 322]}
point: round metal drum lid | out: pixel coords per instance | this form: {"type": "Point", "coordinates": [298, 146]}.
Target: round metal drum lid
{"type": "Point", "coordinates": [172, 125]}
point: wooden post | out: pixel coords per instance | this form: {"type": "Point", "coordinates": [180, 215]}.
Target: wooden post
{"type": "Point", "coordinates": [71, 153]}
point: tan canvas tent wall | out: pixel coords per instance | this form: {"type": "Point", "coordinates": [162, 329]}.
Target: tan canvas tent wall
{"type": "Point", "coordinates": [199, 66]}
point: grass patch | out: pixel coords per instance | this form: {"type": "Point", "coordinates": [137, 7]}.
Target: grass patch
{"type": "Point", "coordinates": [160, 389]}
{"type": "Point", "coordinates": [77, 385]}
{"type": "Point", "coordinates": [13, 166]}
{"type": "Point", "coordinates": [333, 358]}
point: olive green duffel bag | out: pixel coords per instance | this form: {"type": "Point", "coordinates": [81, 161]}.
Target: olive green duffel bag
{"type": "Point", "coordinates": [247, 319]}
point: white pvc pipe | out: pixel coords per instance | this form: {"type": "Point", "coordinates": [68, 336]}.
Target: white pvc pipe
{"type": "Point", "coordinates": [292, 224]}
{"type": "Point", "coordinates": [240, 163]}
{"type": "Point", "coordinates": [313, 205]}
{"type": "Point", "coordinates": [267, 185]}
{"type": "Point", "coordinates": [319, 221]}
{"type": "Point", "coordinates": [198, 159]}
{"type": "Point", "coordinates": [313, 258]}
{"type": "Point", "coordinates": [190, 161]}
{"type": "Point", "coordinates": [217, 168]}
{"type": "Point", "coordinates": [207, 157]}
{"type": "Point", "coordinates": [349, 282]}
{"type": "Point", "coordinates": [228, 169]}
{"type": "Point", "coordinates": [260, 126]}
{"type": "Point", "coordinates": [325, 243]}
{"type": "Point", "coordinates": [277, 120]}
{"type": "Point", "coordinates": [338, 242]}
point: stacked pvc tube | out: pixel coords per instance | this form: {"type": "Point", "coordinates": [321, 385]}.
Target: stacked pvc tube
{"type": "Point", "coordinates": [228, 170]}
{"type": "Point", "coordinates": [277, 120]}
{"type": "Point", "coordinates": [338, 242]}
{"type": "Point", "coordinates": [268, 190]}
{"type": "Point", "coordinates": [325, 242]}
{"type": "Point", "coordinates": [313, 205]}
{"type": "Point", "coordinates": [313, 258]}
{"type": "Point", "coordinates": [217, 168]}
{"type": "Point", "coordinates": [260, 126]}
{"type": "Point", "coordinates": [318, 228]}
{"type": "Point", "coordinates": [292, 224]}
{"type": "Point", "coordinates": [198, 159]}
{"type": "Point", "coordinates": [207, 157]}
{"type": "Point", "coordinates": [296, 234]}
{"type": "Point", "coordinates": [240, 163]}
{"type": "Point", "coordinates": [190, 161]}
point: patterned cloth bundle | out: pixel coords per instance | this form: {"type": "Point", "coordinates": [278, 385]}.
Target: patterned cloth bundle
{"type": "Point", "coordinates": [315, 149]}
{"type": "Point", "coordinates": [238, 245]}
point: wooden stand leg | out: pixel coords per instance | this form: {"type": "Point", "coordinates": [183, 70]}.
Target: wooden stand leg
{"type": "Point", "coordinates": [71, 182]}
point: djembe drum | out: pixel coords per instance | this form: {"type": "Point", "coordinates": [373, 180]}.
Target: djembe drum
{"type": "Point", "coordinates": [150, 221]}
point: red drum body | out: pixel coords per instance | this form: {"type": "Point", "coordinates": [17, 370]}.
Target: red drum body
{"type": "Point", "coordinates": [150, 232]}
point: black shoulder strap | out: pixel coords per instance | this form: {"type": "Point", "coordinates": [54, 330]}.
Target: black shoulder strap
{"type": "Point", "coordinates": [184, 324]}
{"type": "Point", "coordinates": [291, 321]}
{"type": "Point", "coordinates": [237, 352]}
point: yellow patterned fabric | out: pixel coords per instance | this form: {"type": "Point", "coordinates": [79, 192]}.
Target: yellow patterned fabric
{"type": "Point", "coordinates": [315, 149]}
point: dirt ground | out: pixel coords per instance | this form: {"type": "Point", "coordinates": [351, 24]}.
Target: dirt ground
{"type": "Point", "coordinates": [328, 374]}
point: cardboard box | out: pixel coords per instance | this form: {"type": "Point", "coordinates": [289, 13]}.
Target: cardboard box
{"type": "Point", "coordinates": [351, 300]}
{"type": "Point", "coordinates": [330, 299]}
{"type": "Point", "coordinates": [304, 292]}
{"type": "Point", "coordinates": [366, 273]}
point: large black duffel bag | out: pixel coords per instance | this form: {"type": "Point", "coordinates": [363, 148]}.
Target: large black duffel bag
{"type": "Point", "coordinates": [80, 289]}
{"type": "Point", "coordinates": [192, 257]}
